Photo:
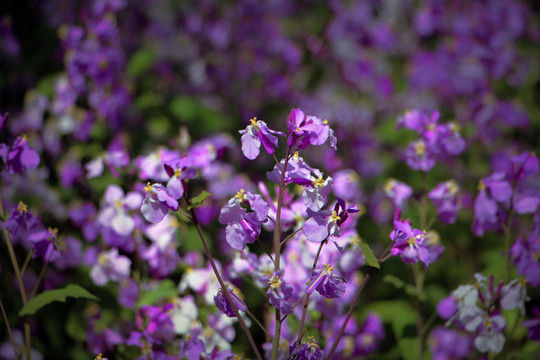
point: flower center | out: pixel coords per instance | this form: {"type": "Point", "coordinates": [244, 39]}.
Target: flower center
{"type": "Point", "coordinates": [274, 282]}
{"type": "Point", "coordinates": [22, 207]}
{"type": "Point", "coordinates": [254, 123]}
{"type": "Point", "coordinates": [419, 148]}
{"type": "Point", "coordinates": [319, 182]}
{"type": "Point", "coordinates": [177, 172]}
{"type": "Point", "coordinates": [148, 188]}
{"type": "Point", "coordinates": [335, 217]}
{"type": "Point", "coordinates": [327, 268]}
{"type": "Point", "coordinates": [240, 195]}
{"type": "Point", "coordinates": [452, 187]}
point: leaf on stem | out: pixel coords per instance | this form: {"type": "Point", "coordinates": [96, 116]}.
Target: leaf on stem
{"type": "Point", "coordinates": [371, 260]}
{"type": "Point", "coordinates": [198, 200]}
{"type": "Point", "coordinates": [49, 296]}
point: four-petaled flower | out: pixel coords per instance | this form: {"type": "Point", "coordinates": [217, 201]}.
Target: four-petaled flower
{"type": "Point", "coordinates": [254, 134]}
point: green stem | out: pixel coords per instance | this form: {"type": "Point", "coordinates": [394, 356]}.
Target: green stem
{"type": "Point", "coordinates": [306, 301]}
{"type": "Point", "coordinates": [18, 275]}
{"type": "Point", "coordinates": [220, 280]}
{"type": "Point", "coordinates": [8, 327]}
{"type": "Point", "coordinates": [277, 250]}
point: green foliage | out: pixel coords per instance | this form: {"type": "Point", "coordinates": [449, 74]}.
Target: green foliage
{"type": "Point", "coordinates": [165, 289]}
{"type": "Point", "coordinates": [371, 260]}
{"type": "Point", "coordinates": [49, 296]}
{"type": "Point", "coordinates": [140, 62]}
{"type": "Point", "coordinates": [198, 200]}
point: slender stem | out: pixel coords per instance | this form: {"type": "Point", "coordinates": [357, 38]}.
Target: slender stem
{"type": "Point", "coordinates": [306, 301]}
{"type": "Point", "coordinates": [290, 237]}
{"type": "Point", "coordinates": [277, 251]}
{"type": "Point", "coordinates": [41, 274]}
{"type": "Point", "coordinates": [26, 261]}
{"type": "Point", "coordinates": [220, 280]}
{"type": "Point", "coordinates": [8, 327]}
{"type": "Point", "coordinates": [18, 275]}
{"type": "Point", "coordinates": [266, 250]}
{"type": "Point", "coordinates": [507, 244]}
{"type": "Point", "coordinates": [258, 322]}
{"type": "Point", "coordinates": [349, 313]}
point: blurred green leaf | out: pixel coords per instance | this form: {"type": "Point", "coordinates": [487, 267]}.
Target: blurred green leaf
{"type": "Point", "coordinates": [75, 326]}
{"type": "Point", "coordinates": [399, 313]}
{"type": "Point", "coordinates": [198, 200]}
{"type": "Point", "coordinates": [409, 348]}
{"type": "Point", "coordinates": [368, 253]}
{"type": "Point", "coordinates": [141, 61]}
{"type": "Point", "coordinates": [49, 296]}
{"type": "Point", "coordinates": [165, 289]}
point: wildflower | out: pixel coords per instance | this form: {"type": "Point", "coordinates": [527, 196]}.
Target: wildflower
{"type": "Point", "coordinates": [179, 171]}
{"type": "Point", "coordinates": [326, 283]}
{"type": "Point", "coordinates": [257, 132]}
{"type": "Point", "coordinates": [309, 350]}
{"type": "Point", "coordinates": [446, 199]}
{"type": "Point", "coordinates": [157, 203]}
{"type": "Point", "coordinates": [279, 292]}
{"type": "Point", "coordinates": [327, 223]}
{"type": "Point", "coordinates": [243, 226]}
{"type": "Point", "coordinates": [489, 328]}
{"type": "Point", "coordinates": [398, 191]}
{"type": "Point", "coordinates": [305, 130]}
{"type": "Point", "coordinates": [114, 211]}
{"type": "Point", "coordinates": [20, 156]}
{"type": "Point", "coordinates": [110, 266]}
{"type": "Point", "coordinates": [409, 243]}
{"type": "Point", "coordinates": [223, 304]}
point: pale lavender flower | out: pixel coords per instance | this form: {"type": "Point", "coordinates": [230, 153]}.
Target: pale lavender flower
{"type": "Point", "coordinates": [257, 132]}
{"type": "Point", "coordinates": [110, 266]}
{"type": "Point", "coordinates": [398, 191]}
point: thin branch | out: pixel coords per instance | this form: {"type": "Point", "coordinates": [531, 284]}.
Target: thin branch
{"type": "Point", "coordinates": [8, 327]}
{"type": "Point", "coordinates": [220, 280]}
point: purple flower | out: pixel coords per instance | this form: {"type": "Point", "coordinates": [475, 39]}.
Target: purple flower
{"type": "Point", "coordinates": [398, 191]}
{"type": "Point", "coordinates": [409, 243]}
{"type": "Point", "coordinates": [45, 245]}
{"type": "Point", "coordinates": [525, 255]}
{"type": "Point", "coordinates": [305, 130]}
{"type": "Point", "coordinates": [223, 304]}
{"type": "Point", "coordinates": [492, 190]}
{"type": "Point", "coordinates": [326, 283]}
{"type": "Point", "coordinates": [114, 212]}
{"type": "Point", "coordinates": [157, 203]}
{"type": "Point", "coordinates": [489, 329]}
{"type": "Point", "coordinates": [325, 223]}
{"type": "Point", "coordinates": [279, 292]}
{"type": "Point", "coordinates": [419, 156]}
{"type": "Point", "coordinates": [309, 350]}
{"type": "Point", "coordinates": [255, 134]}
{"type": "Point", "coordinates": [243, 226]}
{"type": "Point", "coordinates": [514, 295]}
{"type": "Point", "coordinates": [179, 171]}
{"type": "Point", "coordinates": [20, 156]}
{"type": "Point", "coordinates": [446, 344]}
{"type": "Point", "coordinates": [347, 185]}
{"type": "Point", "coordinates": [533, 325]}
{"type": "Point", "coordinates": [110, 266]}
{"type": "Point", "coordinates": [446, 199]}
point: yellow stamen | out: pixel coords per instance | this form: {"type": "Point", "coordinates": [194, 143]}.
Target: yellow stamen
{"type": "Point", "coordinates": [454, 126]}
{"type": "Point", "coordinates": [240, 195]}
{"type": "Point", "coordinates": [319, 182]}
{"type": "Point", "coordinates": [22, 207]}
{"type": "Point", "coordinates": [452, 187]}
{"type": "Point", "coordinates": [98, 357]}
{"type": "Point", "coordinates": [274, 282]}
{"type": "Point", "coordinates": [148, 188]}
{"type": "Point", "coordinates": [335, 217]}
{"type": "Point", "coordinates": [118, 204]}
{"type": "Point", "coordinates": [411, 241]}
{"type": "Point", "coordinates": [177, 172]}
{"type": "Point", "coordinates": [254, 123]}
{"type": "Point", "coordinates": [481, 185]}
{"type": "Point", "coordinates": [328, 268]}
{"type": "Point", "coordinates": [389, 185]}
{"type": "Point", "coordinates": [325, 122]}
{"type": "Point", "coordinates": [419, 148]}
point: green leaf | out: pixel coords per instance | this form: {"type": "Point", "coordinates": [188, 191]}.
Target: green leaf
{"type": "Point", "coordinates": [409, 348]}
{"type": "Point", "coordinates": [48, 297]}
{"type": "Point", "coordinates": [141, 61]}
{"type": "Point", "coordinates": [399, 313]}
{"type": "Point", "coordinates": [198, 200]}
{"type": "Point", "coordinates": [368, 253]}
{"type": "Point", "coordinates": [165, 289]}
{"type": "Point", "coordinates": [394, 280]}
